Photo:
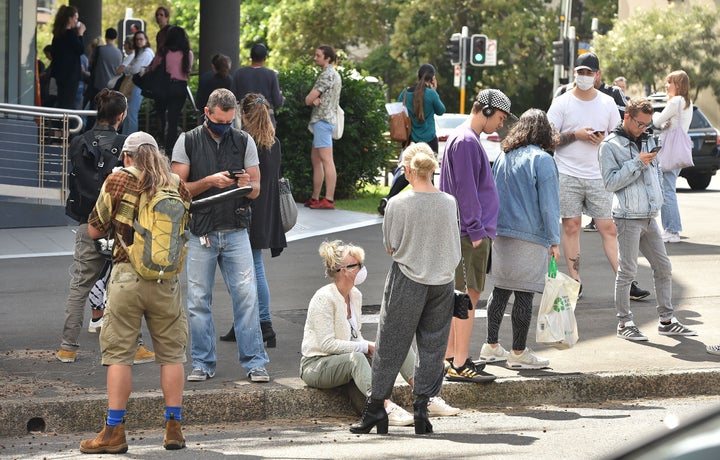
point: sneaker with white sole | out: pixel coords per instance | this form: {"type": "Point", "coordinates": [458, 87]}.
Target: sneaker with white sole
{"type": "Point", "coordinates": [198, 375]}
{"type": "Point", "coordinates": [713, 349]}
{"type": "Point", "coordinates": [437, 407]}
{"type": "Point", "coordinates": [674, 328]}
{"type": "Point", "coordinates": [493, 355]}
{"type": "Point", "coordinates": [66, 356]}
{"type": "Point", "coordinates": [630, 332]}
{"type": "Point", "coordinates": [397, 416]}
{"type": "Point", "coordinates": [95, 325]}
{"type": "Point", "coordinates": [671, 237]}
{"type": "Point", "coordinates": [526, 360]}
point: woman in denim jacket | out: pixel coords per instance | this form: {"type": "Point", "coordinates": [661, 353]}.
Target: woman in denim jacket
{"type": "Point", "coordinates": [528, 224]}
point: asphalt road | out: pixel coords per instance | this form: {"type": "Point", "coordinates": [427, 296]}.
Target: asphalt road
{"type": "Point", "coordinates": [542, 432]}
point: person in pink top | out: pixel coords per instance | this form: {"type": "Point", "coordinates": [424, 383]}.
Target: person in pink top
{"type": "Point", "coordinates": [178, 62]}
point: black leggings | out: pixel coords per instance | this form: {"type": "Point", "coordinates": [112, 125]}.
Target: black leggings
{"type": "Point", "coordinates": [521, 315]}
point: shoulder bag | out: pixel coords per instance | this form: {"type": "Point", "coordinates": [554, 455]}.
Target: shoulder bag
{"type": "Point", "coordinates": [400, 124]}
{"type": "Point", "coordinates": [676, 151]}
{"type": "Point", "coordinates": [288, 208]}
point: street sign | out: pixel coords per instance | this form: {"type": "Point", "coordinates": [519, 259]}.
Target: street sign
{"type": "Point", "coordinates": [456, 77]}
{"type": "Point", "coordinates": [491, 52]}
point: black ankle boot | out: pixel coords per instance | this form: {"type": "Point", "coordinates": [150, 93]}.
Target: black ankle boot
{"type": "Point", "coordinates": [268, 334]}
{"type": "Point", "coordinates": [373, 415]}
{"type": "Point", "coordinates": [230, 336]}
{"type": "Point", "coordinates": [422, 422]}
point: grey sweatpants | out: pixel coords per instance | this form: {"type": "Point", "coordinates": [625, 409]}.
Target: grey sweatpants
{"type": "Point", "coordinates": [408, 310]}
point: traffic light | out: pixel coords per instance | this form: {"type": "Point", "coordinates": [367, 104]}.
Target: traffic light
{"type": "Point", "coordinates": [560, 53]}
{"type": "Point", "coordinates": [452, 50]}
{"type": "Point", "coordinates": [478, 45]}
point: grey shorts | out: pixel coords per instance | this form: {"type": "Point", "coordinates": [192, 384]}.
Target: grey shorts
{"type": "Point", "coordinates": [584, 196]}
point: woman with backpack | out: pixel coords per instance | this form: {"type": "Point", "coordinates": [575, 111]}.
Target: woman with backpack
{"type": "Point", "coordinates": [422, 102]}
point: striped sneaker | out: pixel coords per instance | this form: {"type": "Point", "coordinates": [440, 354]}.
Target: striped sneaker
{"type": "Point", "coordinates": [674, 328]}
{"type": "Point", "coordinates": [468, 373]}
{"type": "Point", "coordinates": [630, 332]}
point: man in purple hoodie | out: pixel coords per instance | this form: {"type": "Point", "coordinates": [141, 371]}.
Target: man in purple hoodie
{"type": "Point", "coordinates": [465, 173]}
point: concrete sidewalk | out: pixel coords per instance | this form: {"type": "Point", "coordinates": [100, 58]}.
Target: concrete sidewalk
{"type": "Point", "coordinates": [40, 393]}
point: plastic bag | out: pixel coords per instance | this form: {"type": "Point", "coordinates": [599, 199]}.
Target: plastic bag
{"type": "Point", "coordinates": [556, 324]}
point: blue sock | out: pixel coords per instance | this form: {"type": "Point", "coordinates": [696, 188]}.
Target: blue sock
{"type": "Point", "coordinates": [115, 416]}
{"type": "Point", "coordinates": [174, 411]}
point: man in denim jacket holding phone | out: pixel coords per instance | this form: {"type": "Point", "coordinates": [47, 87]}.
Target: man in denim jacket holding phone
{"type": "Point", "coordinates": [629, 166]}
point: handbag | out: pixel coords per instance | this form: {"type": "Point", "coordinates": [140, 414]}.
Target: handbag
{"type": "Point", "coordinates": [288, 208]}
{"type": "Point", "coordinates": [126, 86]}
{"type": "Point", "coordinates": [556, 324]}
{"type": "Point", "coordinates": [676, 151]}
{"type": "Point", "coordinates": [400, 124]}
{"type": "Point", "coordinates": [154, 83]}
{"type": "Point", "coordinates": [461, 300]}
{"type": "Point", "coordinates": [339, 123]}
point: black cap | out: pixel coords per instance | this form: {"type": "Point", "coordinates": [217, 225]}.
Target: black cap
{"type": "Point", "coordinates": [258, 52]}
{"type": "Point", "coordinates": [587, 61]}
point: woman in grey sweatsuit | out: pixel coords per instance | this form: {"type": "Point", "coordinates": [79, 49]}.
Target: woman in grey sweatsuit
{"type": "Point", "coordinates": [421, 233]}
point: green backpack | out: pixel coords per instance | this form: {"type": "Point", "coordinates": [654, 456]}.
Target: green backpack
{"type": "Point", "coordinates": [158, 248]}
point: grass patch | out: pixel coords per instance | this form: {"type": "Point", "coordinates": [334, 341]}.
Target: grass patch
{"type": "Point", "coordinates": [366, 199]}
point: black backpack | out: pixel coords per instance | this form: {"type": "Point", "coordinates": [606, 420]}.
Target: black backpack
{"type": "Point", "coordinates": [92, 161]}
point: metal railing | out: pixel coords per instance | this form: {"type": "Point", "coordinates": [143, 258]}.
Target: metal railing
{"type": "Point", "coordinates": [34, 150]}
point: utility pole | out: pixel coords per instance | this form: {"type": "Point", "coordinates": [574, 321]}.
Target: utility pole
{"type": "Point", "coordinates": [463, 65]}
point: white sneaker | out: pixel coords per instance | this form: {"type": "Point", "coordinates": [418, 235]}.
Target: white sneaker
{"type": "Point", "coordinates": [671, 237]}
{"type": "Point", "coordinates": [95, 325]}
{"type": "Point", "coordinates": [493, 355]}
{"type": "Point", "coordinates": [712, 349]}
{"type": "Point", "coordinates": [437, 407]}
{"type": "Point", "coordinates": [526, 360]}
{"type": "Point", "coordinates": [397, 416]}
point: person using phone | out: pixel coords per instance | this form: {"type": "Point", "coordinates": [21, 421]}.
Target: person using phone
{"type": "Point", "coordinates": [630, 170]}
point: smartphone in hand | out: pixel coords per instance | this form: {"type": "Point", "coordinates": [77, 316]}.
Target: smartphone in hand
{"type": "Point", "coordinates": [602, 133]}
{"type": "Point", "coordinates": [236, 172]}
{"type": "Point", "coordinates": [655, 149]}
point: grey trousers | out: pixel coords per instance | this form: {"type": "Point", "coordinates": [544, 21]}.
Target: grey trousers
{"type": "Point", "coordinates": [642, 235]}
{"type": "Point", "coordinates": [85, 270]}
{"type": "Point", "coordinates": [408, 310]}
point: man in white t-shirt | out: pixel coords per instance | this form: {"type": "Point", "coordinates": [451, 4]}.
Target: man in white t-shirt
{"type": "Point", "coordinates": [584, 116]}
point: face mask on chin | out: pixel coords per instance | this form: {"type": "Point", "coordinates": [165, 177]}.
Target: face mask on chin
{"type": "Point", "coordinates": [584, 82]}
{"type": "Point", "coordinates": [361, 276]}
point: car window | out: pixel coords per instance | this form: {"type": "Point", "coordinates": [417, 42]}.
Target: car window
{"type": "Point", "coordinates": [449, 122]}
{"type": "Point", "coordinates": [699, 121]}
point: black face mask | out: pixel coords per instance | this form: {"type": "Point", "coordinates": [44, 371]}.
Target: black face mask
{"type": "Point", "coordinates": [218, 129]}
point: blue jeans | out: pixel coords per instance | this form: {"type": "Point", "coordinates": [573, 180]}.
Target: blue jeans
{"type": "Point", "coordinates": [231, 251]}
{"type": "Point", "coordinates": [130, 125]}
{"type": "Point", "coordinates": [670, 212]}
{"type": "Point", "coordinates": [263, 291]}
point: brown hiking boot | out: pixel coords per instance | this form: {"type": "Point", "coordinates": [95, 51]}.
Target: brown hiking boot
{"type": "Point", "coordinates": [111, 440]}
{"type": "Point", "coordinates": [174, 439]}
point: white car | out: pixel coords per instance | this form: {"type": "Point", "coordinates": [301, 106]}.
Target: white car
{"type": "Point", "coordinates": [446, 123]}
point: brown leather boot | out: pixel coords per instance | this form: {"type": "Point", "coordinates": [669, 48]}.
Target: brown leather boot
{"type": "Point", "coordinates": [174, 439]}
{"type": "Point", "coordinates": [111, 440]}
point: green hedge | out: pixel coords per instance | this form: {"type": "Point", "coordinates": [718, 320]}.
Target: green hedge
{"type": "Point", "coordinates": [363, 151]}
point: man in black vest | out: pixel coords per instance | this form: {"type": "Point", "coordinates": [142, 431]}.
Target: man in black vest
{"type": "Point", "coordinates": [211, 159]}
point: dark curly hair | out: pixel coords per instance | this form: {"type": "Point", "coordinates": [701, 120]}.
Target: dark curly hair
{"type": "Point", "coordinates": [533, 128]}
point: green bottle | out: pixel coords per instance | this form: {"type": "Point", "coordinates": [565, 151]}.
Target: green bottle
{"type": "Point", "coordinates": [552, 268]}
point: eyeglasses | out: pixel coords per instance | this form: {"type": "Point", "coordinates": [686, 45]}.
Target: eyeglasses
{"type": "Point", "coordinates": [640, 124]}
{"type": "Point", "coordinates": [358, 265]}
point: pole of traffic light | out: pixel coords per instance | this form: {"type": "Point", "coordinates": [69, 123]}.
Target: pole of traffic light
{"type": "Point", "coordinates": [463, 64]}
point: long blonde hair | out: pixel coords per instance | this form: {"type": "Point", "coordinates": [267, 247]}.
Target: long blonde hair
{"type": "Point", "coordinates": [257, 119]}
{"type": "Point", "coordinates": [333, 252]}
{"type": "Point", "coordinates": [154, 168]}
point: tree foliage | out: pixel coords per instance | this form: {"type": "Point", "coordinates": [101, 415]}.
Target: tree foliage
{"type": "Point", "coordinates": [358, 154]}
{"type": "Point", "coordinates": [649, 45]}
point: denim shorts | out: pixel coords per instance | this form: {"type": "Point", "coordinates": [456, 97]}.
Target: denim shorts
{"type": "Point", "coordinates": [584, 196]}
{"type": "Point", "coordinates": [322, 134]}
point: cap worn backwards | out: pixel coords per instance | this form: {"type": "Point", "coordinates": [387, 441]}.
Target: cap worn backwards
{"type": "Point", "coordinates": [587, 61]}
{"type": "Point", "coordinates": [136, 139]}
{"type": "Point", "coordinates": [495, 99]}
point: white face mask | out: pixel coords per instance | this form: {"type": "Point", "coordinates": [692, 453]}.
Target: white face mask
{"type": "Point", "coordinates": [361, 275]}
{"type": "Point", "coordinates": [584, 82]}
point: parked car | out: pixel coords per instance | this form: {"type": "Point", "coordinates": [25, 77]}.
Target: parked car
{"type": "Point", "coordinates": [445, 123]}
{"type": "Point", "coordinates": [706, 146]}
